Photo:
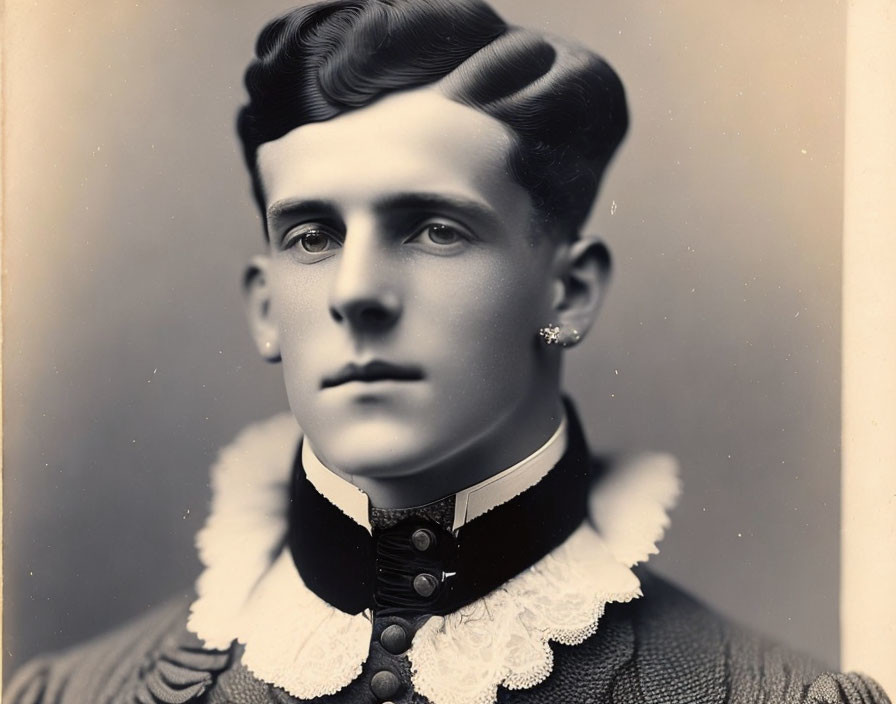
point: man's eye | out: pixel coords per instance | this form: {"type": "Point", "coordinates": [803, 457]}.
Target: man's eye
{"type": "Point", "coordinates": [311, 241]}
{"type": "Point", "coordinates": [315, 241]}
{"type": "Point", "coordinates": [440, 234]}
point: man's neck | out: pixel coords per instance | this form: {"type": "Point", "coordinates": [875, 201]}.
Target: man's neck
{"type": "Point", "coordinates": [510, 441]}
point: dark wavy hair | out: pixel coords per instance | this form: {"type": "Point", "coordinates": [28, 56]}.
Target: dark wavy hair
{"type": "Point", "coordinates": [565, 105]}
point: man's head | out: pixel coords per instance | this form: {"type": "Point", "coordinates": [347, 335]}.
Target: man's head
{"type": "Point", "coordinates": [563, 104]}
{"type": "Point", "coordinates": [423, 171]}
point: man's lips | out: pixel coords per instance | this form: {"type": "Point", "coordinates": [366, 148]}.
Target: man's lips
{"type": "Point", "coordinates": [372, 371]}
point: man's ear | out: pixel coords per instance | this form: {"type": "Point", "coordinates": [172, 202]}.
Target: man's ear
{"type": "Point", "coordinates": [583, 274]}
{"type": "Point", "coordinates": [257, 294]}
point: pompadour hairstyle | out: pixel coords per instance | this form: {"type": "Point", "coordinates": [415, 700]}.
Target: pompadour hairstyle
{"type": "Point", "coordinates": [564, 105]}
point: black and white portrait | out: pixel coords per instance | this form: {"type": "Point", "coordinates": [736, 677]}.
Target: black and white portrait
{"type": "Point", "coordinates": [448, 352]}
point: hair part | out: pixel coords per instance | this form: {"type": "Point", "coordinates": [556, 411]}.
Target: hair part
{"type": "Point", "coordinates": [564, 105]}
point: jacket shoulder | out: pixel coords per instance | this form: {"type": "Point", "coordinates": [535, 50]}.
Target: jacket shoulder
{"type": "Point", "coordinates": [731, 663]}
{"type": "Point", "coordinates": [668, 648]}
{"type": "Point", "coordinates": [152, 660]}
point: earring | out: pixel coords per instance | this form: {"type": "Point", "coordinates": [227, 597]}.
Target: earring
{"type": "Point", "coordinates": [564, 336]}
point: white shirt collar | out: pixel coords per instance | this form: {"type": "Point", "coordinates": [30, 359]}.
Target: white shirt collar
{"type": "Point", "coordinates": [250, 590]}
{"type": "Point", "coordinates": [469, 503]}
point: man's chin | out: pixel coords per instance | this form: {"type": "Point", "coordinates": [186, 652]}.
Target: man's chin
{"type": "Point", "coordinates": [383, 461]}
{"type": "Point", "coordinates": [376, 450]}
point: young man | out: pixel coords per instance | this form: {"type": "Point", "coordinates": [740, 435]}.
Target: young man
{"type": "Point", "coordinates": [436, 531]}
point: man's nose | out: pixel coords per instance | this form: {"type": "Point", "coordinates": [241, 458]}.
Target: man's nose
{"type": "Point", "coordinates": [365, 294]}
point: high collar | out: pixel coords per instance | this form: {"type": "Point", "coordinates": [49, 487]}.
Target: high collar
{"type": "Point", "coordinates": [354, 567]}
{"type": "Point", "coordinates": [250, 590]}
{"type": "Point", "coordinates": [466, 505]}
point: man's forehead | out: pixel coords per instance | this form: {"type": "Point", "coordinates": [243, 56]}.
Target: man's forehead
{"type": "Point", "coordinates": [414, 141]}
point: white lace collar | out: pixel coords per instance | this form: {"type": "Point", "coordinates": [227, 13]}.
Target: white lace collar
{"type": "Point", "coordinates": [250, 590]}
{"type": "Point", "coordinates": [469, 503]}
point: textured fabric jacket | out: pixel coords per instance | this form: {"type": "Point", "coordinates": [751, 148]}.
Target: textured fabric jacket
{"type": "Point", "coordinates": [662, 649]}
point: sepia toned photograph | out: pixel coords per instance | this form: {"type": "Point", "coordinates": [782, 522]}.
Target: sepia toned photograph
{"type": "Point", "coordinates": [448, 352]}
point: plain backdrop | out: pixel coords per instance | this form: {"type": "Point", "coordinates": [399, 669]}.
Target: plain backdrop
{"type": "Point", "coordinates": [127, 362]}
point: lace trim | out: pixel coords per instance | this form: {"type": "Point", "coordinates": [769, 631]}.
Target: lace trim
{"type": "Point", "coordinates": [630, 506]}
{"type": "Point", "coordinates": [246, 525]}
{"type": "Point", "coordinates": [502, 639]}
{"type": "Point", "coordinates": [296, 640]}
{"type": "Point", "coordinates": [250, 590]}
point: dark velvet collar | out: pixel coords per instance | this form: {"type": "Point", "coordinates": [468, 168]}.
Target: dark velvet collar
{"type": "Point", "coordinates": [389, 573]}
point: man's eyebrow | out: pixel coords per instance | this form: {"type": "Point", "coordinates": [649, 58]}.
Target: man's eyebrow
{"type": "Point", "coordinates": [440, 202]}
{"type": "Point", "coordinates": [298, 206]}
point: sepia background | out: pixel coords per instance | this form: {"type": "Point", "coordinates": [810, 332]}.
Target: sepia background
{"type": "Point", "coordinates": [127, 363]}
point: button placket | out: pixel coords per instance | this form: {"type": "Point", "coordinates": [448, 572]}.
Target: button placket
{"type": "Point", "coordinates": [411, 559]}
{"type": "Point", "coordinates": [387, 668]}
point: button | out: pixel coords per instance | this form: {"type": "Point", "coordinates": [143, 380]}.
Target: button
{"type": "Point", "coordinates": [425, 584]}
{"type": "Point", "coordinates": [394, 639]}
{"type": "Point", "coordinates": [423, 539]}
{"type": "Point", "coordinates": [384, 684]}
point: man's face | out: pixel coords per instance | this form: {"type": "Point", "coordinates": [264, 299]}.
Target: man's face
{"type": "Point", "coordinates": [407, 284]}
